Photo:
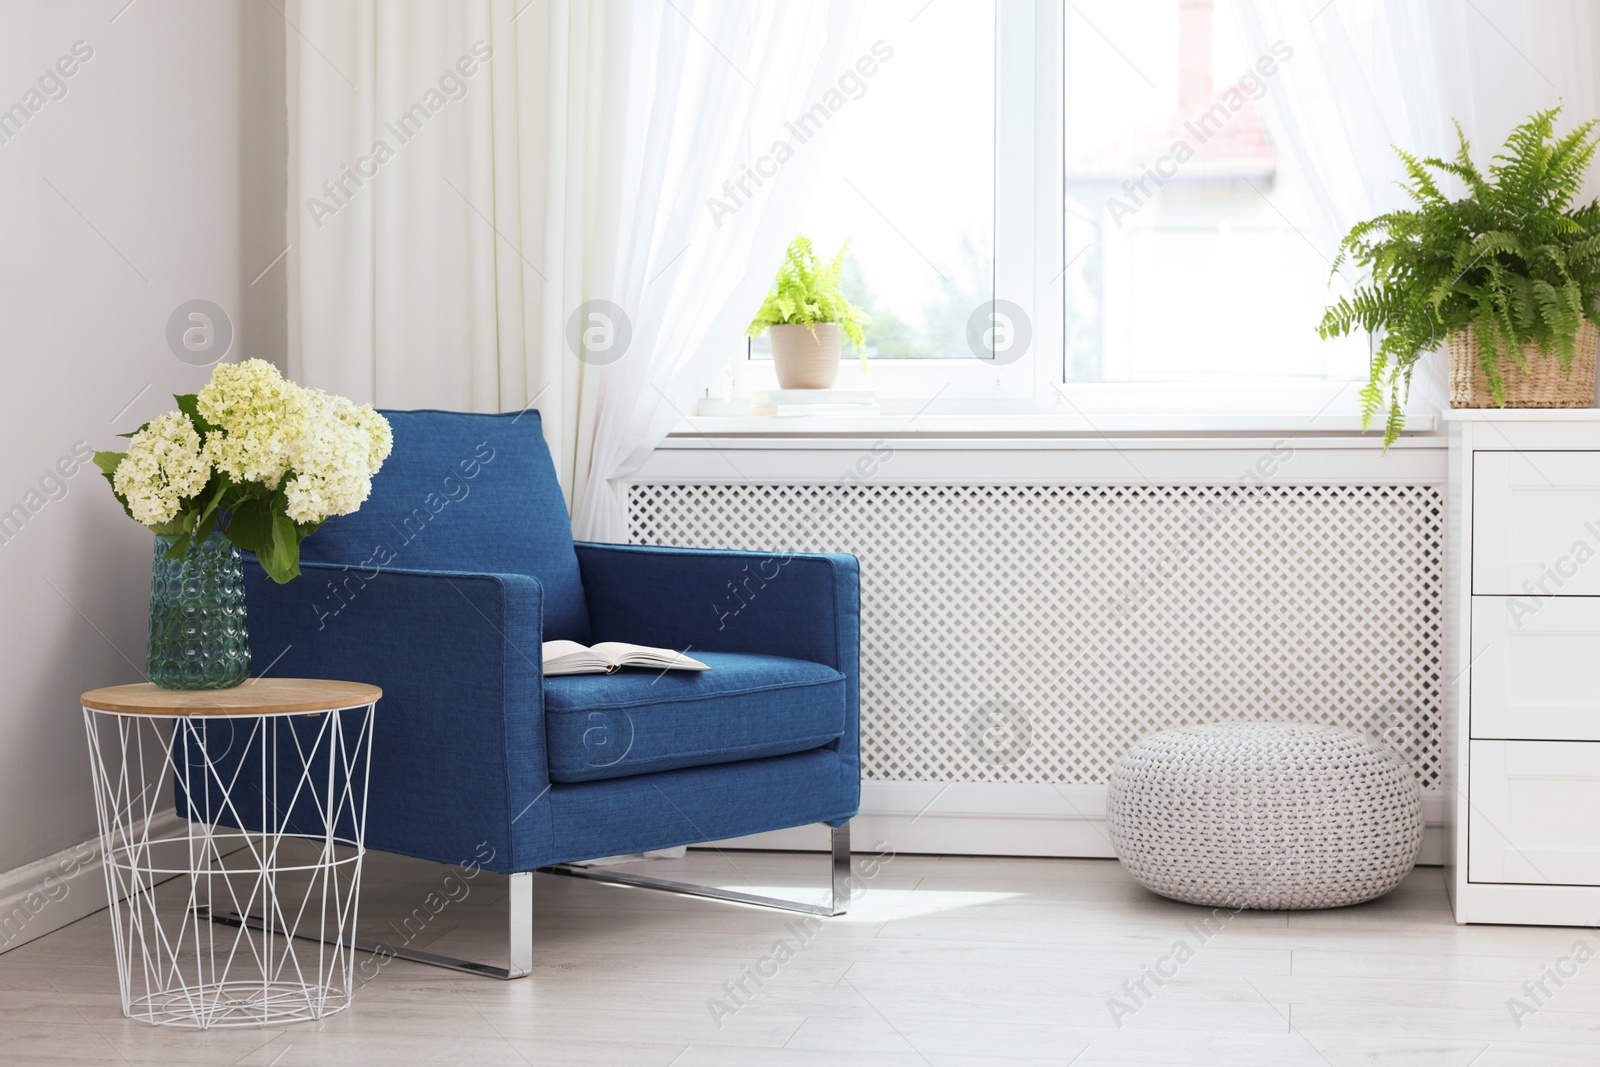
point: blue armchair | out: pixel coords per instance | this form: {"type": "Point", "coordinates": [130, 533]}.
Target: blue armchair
{"type": "Point", "coordinates": [441, 590]}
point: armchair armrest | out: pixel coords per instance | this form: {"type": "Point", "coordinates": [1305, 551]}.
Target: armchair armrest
{"type": "Point", "coordinates": [458, 746]}
{"type": "Point", "coordinates": [806, 606]}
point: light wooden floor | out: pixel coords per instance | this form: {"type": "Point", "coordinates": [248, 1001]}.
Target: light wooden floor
{"type": "Point", "coordinates": [946, 960]}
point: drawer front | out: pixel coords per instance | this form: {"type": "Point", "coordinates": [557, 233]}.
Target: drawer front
{"type": "Point", "coordinates": [1533, 668]}
{"type": "Point", "coordinates": [1532, 813]}
{"type": "Point", "coordinates": [1536, 517]}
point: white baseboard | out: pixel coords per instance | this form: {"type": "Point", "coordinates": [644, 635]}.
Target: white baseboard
{"type": "Point", "coordinates": [58, 890]}
{"type": "Point", "coordinates": [938, 818]}
{"type": "Point", "coordinates": [1001, 819]}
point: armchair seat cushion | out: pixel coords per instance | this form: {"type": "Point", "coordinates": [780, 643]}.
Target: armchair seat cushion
{"type": "Point", "coordinates": [640, 721]}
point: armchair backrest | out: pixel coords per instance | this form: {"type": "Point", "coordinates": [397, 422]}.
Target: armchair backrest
{"type": "Point", "coordinates": [466, 492]}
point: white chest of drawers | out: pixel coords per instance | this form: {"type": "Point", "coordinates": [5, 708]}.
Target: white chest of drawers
{"type": "Point", "coordinates": [1522, 666]}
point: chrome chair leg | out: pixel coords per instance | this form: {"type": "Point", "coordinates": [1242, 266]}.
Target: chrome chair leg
{"type": "Point", "coordinates": [838, 882]}
{"type": "Point", "coordinates": [841, 869]}
{"type": "Point", "coordinates": [519, 927]}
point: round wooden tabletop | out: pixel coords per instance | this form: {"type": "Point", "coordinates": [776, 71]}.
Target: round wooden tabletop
{"type": "Point", "coordinates": [258, 696]}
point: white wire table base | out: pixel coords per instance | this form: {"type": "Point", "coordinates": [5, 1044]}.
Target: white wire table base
{"type": "Point", "coordinates": [276, 807]}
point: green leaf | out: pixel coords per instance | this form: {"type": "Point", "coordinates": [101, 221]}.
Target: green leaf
{"type": "Point", "coordinates": [189, 404]}
{"type": "Point", "coordinates": [286, 541]}
{"type": "Point", "coordinates": [250, 525]}
{"type": "Point", "coordinates": [280, 557]}
{"type": "Point", "coordinates": [204, 526]}
{"type": "Point", "coordinates": [108, 462]}
{"type": "Point", "coordinates": [211, 502]}
{"type": "Point", "coordinates": [257, 524]}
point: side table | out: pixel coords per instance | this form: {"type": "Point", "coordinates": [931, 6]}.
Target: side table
{"type": "Point", "coordinates": [271, 777]}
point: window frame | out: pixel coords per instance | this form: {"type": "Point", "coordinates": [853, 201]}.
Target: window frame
{"type": "Point", "coordinates": [1030, 262]}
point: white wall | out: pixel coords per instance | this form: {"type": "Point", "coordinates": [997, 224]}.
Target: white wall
{"type": "Point", "coordinates": [130, 194]}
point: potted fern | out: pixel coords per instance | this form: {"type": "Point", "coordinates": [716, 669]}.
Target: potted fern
{"type": "Point", "coordinates": [809, 317]}
{"type": "Point", "coordinates": [1506, 277]}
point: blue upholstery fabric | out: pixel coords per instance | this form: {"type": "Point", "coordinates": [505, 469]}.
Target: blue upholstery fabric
{"type": "Point", "coordinates": [622, 815]}
{"type": "Point", "coordinates": [441, 590]}
{"type": "Point", "coordinates": [466, 493]}
{"type": "Point", "coordinates": [636, 721]}
{"type": "Point", "coordinates": [457, 657]}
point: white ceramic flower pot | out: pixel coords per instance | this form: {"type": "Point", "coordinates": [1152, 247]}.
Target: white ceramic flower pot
{"type": "Point", "coordinates": [807, 360]}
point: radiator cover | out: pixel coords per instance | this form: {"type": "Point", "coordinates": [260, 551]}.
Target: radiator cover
{"type": "Point", "coordinates": [1031, 634]}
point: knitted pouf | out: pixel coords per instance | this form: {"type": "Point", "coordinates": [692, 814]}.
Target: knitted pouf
{"type": "Point", "coordinates": [1265, 815]}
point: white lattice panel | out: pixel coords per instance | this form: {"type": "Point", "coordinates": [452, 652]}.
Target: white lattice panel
{"type": "Point", "coordinates": [1032, 634]}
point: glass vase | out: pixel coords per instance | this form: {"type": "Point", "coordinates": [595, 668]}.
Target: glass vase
{"type": "Point", "coordinates": [198, 638]}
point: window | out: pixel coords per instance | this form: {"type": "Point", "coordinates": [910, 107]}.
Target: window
{"type": "Point", "coordinates": [909, 179]}
{"type": "Point", "coordinates": [1100, 189]}
{"type": "Point", "coordinates": [1200, 251]}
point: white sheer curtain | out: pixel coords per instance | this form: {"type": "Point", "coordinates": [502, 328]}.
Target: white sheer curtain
{"type": "Point", "coordinates": [573, 164]}
{"type": "Point", "coordinates": [1370, 74]}
{"type": "Point", "coordinates": [391, 285]}
{"type": "Point", "coordinates": [712, 85]}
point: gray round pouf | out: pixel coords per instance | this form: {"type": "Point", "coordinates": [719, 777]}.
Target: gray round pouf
{"type": "Point", "coordinates": [1265, 815]}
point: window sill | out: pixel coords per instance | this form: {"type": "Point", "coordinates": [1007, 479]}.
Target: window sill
{"type": "Point", "coordinates": [1041, 425]}
{"type": "Point", "coordinates": [1197, 409]}
{"type": "Point", "coordinates": [988, 455]}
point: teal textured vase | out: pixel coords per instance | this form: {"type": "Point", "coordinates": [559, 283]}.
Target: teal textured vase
{"type": "Point", "coordinates": [198, 638]}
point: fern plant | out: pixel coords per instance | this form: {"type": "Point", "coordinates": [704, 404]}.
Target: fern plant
{"type": "Point", "coordinates": [806, 293]}
{"type": "Point", "coordinates": [1511, 258]}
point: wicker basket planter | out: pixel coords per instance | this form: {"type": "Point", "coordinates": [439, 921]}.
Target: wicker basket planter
{"type": "Point", "coordinates": [1544, 386]}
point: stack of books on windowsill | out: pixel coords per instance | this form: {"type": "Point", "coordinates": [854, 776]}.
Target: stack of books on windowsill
{"type": "Point", "coordinates": [788, 403]}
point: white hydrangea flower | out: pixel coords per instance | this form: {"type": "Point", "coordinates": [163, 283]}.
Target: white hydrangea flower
{"type": "Point", "coordinates": [261, 417]}
{"type": "Point", "coordinates": [164, 466]}
{"type": "Point", "coordinates": [378, 432]}
{"type": "Point", "coordinates": [334, 460]}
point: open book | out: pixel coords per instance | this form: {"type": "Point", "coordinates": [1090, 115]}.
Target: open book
{"type": "Point", "coordinates": [569, 657]}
